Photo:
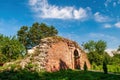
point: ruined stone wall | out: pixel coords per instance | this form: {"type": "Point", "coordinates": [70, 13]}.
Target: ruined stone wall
{"type": "Point", "coordinates": [84, 59]}
{"type": "Point", "coordinates": [55, 53]}
{"type": "Point", "coordinates": [59, 57]}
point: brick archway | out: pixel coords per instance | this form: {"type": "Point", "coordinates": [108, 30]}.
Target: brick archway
{"type": "Point", "coordinates": [76, 60]}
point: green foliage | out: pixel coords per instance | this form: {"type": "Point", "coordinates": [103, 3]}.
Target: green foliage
{"type": "Point", "coordinates": [23, 35]}
{"type": "Point", "coordinates": [97, 68]}
{"type": "Point", "coordinates": [60, 75]}
{"type": "Point", "coordinates": [92, 46]}
{"type": "Point", "coordinates": [107, 58]}
{"type": "Point", "coordinates": [3, 58]}
{"type": "Point", "coordinates": [30, 66]}
{"type": "Point", "coordinates": [115, 60]}
{"type": "Point", "coordinates": [96, 51]}
{"type": "Point", "coordinates": [94, 57]}
{"type": "Point", "coordinates": [31, 36]}
{"type": "Point", "coordinates": [10, 48]}
{"type": "Point", "coordinates": [118, 48]}
{"type": "Point", "coordinates": [116, 56]}
{"type": "Point", "coordinates": [89, 46]}
{"type": "Point", "coordinates": [111, 68]}
{"type": "Point", "coordinates": [114, 68]}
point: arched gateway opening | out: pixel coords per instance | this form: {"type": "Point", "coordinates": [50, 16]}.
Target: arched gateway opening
{"type": "Point", "coordinates": [76, 60]}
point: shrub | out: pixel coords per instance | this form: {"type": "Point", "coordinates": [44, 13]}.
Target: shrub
{"type": "Point", "coordinates": [105, 67]}
{"type": "Point", "coordinates": [3, 58]}
{"type": "Point", "coordinates": [85, 66]}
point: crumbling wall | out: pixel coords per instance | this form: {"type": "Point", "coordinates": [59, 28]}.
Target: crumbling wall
{"type": "Point", "coordinates": [55, 53]}
{"type": "Point", "coordinates": [59, 57]}
{"type": "Point", "coordinates": [84, 59]}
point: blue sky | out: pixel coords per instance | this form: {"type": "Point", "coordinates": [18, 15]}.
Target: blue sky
{"type": "Point", "coordinates": [79, 20]}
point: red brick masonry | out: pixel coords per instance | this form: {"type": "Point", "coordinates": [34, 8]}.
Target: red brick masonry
{"type": "Point", "coordinates": [65, 54]}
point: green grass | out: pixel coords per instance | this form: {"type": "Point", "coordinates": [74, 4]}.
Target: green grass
{"type": "Point", "coordinates": [111, 68]}
{"type": "Point", "coordinates": [60, 75]}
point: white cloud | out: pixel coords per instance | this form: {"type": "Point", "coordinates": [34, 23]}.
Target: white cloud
{"type": "Point", "coordinates": [45, 10]}
{"type": "Point", "coordinates": [109, 51]}
{"type": "Point", "coordinates": [107, 26]}
{"type": "Point", "coordinates": [80, 14]}
{"type": "Point", "coordinates": [32, 2]}
{"type": "Point", "coordinates": [117, 24]}
{"type": "Point", "coordinates": [101, 18]}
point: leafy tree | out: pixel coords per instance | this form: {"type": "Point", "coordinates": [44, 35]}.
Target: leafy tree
{"type": "Point", "coordinates": [107, 58]}
{"type": "Point", "coordinates": [100, 46]}
{"type": "Point", "coordinates": [118, 48]}
{"type": "Point", "coordinates": [94, 57]}
{"type": "Point", "coordinates": [89, 46]}
{"type": "Point", "coordinates": [116, 59]}
{"type": "Point", "coordinates": [116, 56]}
{"type": "Point", "coordinates": [31, 36]}
{"type": "Point", "coordinates": [10, 48]}
{"type": "Point", "coordinates": [96, 51]}
{"type": "Point", "coordinates": [39, 31]}
{"type": "Point", "coordinates": [23, 36]}
{"type": "Point", "coordinates": [92, 46]}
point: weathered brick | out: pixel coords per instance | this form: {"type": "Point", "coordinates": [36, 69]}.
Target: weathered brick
{"type": "Point", "coordinates": [56, 53]}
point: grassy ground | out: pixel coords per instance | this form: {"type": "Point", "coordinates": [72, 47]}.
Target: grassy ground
{"type": "Point", "coordinates": [111, 68]}
{"type": "Point", "coordinates": [60, 75]}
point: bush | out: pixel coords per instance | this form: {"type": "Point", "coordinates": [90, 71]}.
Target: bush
{"type": "Point", "coordinates": [3, 58]}
{"type": "Point", "coordinates": [10, 48]}
{"type": "Point", "coordinates": [85, 66]}
{"type": "Point", "coordinates": [105, 67]}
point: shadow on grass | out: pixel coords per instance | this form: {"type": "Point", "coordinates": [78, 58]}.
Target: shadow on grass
{"type": "Point", "coordinates": [60, 75]}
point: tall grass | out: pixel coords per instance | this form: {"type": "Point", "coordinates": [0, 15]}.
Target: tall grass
{"type": "Point", "coordinates": [111, 68]}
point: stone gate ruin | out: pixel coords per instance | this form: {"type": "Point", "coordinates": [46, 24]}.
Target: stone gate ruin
{"type": "Point", "coordinates": [56, 53]}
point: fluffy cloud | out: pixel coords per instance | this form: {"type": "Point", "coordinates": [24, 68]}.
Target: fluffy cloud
{"type": "Point", "coordinates": [101, 18]}
{"type": "Point", "coordinates": [109, 51]}
{"type": "Point", "coordinates": [45, 10]}
{"type": "Point", "coordinates": [107, 26]}
{"type": "Point", "coordinates": [80, 14]}
{"type": "Point", "coordinates": [117, 24]}
{"type": "Point", "coordinates": [32, 2]}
